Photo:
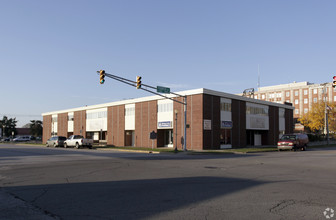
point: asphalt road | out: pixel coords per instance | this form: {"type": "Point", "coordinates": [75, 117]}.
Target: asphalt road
{"type": "Point", "coordinates": [48, 183]}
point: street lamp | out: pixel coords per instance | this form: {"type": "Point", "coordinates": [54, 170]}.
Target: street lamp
{"type": "Point", "coordinates": [176, 111]}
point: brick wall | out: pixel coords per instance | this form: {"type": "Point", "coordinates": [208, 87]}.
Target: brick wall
{"type": "Point", "coordinates": [289, 127]}
{"type": "Point", "coordinates": [145, 123]}
{"type": "Point", "coordinates": [239, 123]}
{"type": "Point", "coordinates": [80, 123]}
{"type": "Point", "coordinates": [180, 122]}
{"type": "Point", "coordinates": [62, 124]}
{"type": "Point", "coordinates": [273, 133]}
{"type": "Point", "coordinates": [116, 125]}
{"type": "Point", "coordinates": [194, 120]}
{"type": "Point", "coordinates": [46, 128]}
{"type": "Point", "coordinates": [211, 111]}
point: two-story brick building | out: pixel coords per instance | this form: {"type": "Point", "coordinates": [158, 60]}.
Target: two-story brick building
{"type": "Point", "coordinates": [215, 120]}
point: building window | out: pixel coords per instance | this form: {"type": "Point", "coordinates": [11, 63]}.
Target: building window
{"type": "Point", "coordinates": [334, 98]}
{"type": "Point", "coordinates": [305, 101]}
{"type": "Point", "coordinates": [305, 92]}
{"type": "Point", "coordinates": [296, 93]}
{"type": "Point", "coordinates": [54, 119]}
{"type": "Point", "coordinates": [315, 91]}
{"type": "Point", "coordinates": [130, 111]}
{"type": "Point", "coordinates": [315, 100]}
{"type": "Point", "coordinates": [96, 115]}
{"type": "Point", "coordinates": [263, 96]}
{"type": "Point", "coordinates": [305, 110]}
{"type": "Point", "coordinates": [278, 95]}
{"type": "Point", "coordinates": [296, 111]}
{"type": "Point", "coordinates": [256, 111]}
{"type": "Point", "coordinates": [287, 94]}
{"type": "Point", "coordinates": [296, 101]}
{"type": "Point", "coordinates": [225, 107]}
{"type": "Point", "coordinates": [165, 107]}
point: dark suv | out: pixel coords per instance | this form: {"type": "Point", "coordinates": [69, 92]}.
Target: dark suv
{"type": "Point", "coordinates": [293, 142]}
{"type": "Point", "coordinates": [56, 141]}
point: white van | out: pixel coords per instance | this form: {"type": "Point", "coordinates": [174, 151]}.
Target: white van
{"type": "Point", "coordinates": [22, 138]}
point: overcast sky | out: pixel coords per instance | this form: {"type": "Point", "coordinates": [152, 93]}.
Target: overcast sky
{"type": "Point", "coordinates": [50, 50]}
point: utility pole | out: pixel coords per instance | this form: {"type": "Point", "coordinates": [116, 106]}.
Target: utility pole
{"type": "Point", "coordinates": [326, 123]}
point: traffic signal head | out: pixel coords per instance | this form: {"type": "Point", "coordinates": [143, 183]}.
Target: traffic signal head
{"type": "Point", "coordinates": [138, 82]}
{"type": "Point", "coordinates": [102, 76]}
{"type": "Point", "coordinates": [334, 82]}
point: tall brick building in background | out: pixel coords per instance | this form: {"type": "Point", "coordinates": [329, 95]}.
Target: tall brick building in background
{"type": "Point", "coordinates": [215, 120]}
{"type": "Point", "coordinates": [302, 95]}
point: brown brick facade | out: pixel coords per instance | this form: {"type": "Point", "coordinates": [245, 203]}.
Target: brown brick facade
{"type": "Point", "coordinates": [273, 132]}
{"type": "Point", "coordinates": [145, 122]}
{"type": "Point", "coordinates": [289, 125]}
{"type": "Point", "coordinates": [239, 123]}
{"type": "Point", "coordinates": [62, 124]}
{"type": "Point", "coordinates": [116, 125]}
{"type": "Point", "coordinates": [80, 123]}
{"type": "Point", "coordinates": [201, 106]}
{"type": "Point", "coordinates": [46, 128]}
{"type": "Point", "coordinates": [211, 111]}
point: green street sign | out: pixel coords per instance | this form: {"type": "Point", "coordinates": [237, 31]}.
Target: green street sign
{"type": "Point", "coordinates": [161, 89]}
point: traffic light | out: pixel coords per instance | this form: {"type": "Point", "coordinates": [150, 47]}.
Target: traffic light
{"type": "Point", "coordinates": [334, 82]}
{"type": "Point", "coordinates": [102, 76]}
{"type": "Point", "coordinates": [138, 82]}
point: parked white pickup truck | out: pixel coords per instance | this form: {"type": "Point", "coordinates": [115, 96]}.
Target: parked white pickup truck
{"type": "Point", "coordinates": [78, 141]}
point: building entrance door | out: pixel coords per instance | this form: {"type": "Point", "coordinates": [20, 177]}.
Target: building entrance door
{"type": "Point", "coordinates": [129, 138]}
{"type": "Point", "coordinates": [168, 138]}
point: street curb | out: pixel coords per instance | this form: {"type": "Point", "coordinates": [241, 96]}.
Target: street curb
{"type": "Point", "coordinates": [129, 150]}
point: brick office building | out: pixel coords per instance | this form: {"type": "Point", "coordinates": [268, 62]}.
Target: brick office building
{"type": "Point", "coordinates": [215, 120]}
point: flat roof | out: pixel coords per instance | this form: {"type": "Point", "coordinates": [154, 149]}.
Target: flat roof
{"type": "Point", "coordinates": [182, 93]}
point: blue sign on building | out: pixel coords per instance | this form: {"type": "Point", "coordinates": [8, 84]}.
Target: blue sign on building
{"type": "Point", "coordinates": [165, 124]}
{"type": "Point", "coordinates": [226, 124]}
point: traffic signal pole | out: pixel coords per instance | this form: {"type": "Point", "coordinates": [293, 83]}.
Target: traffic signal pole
{"type": "Point", "coordinates": [138, 85]}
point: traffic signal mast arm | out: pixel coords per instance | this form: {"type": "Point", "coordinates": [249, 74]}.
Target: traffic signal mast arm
{"type": "Point", "coordinates": [138, 84]}
{"type": "Point", "coordinates": [134, 84]}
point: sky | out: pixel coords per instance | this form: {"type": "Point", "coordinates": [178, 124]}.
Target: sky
{"type": "Point", "coordinates": [50, 51]}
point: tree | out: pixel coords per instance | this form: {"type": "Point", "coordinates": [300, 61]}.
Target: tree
{"type": "Point", "coordinates": [36, 128]}
{"type": "Point", "coordinates": [315, 118]}
{"type": "Point", "coordinates": [8, 125]}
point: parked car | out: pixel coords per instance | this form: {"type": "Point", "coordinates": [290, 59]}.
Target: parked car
{"type": "Point", "coordinates": [5, 139]}
{"type": "Point", "coordinates": [293, 142]}
{"type": "Point", "coordinates": [22, 138]}
{"type": "Point", "coordinates": [56, 141]}
{"type": "Point", "coordinates": [78, 141]}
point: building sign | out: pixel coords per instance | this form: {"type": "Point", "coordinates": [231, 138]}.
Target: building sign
{"type": "Point", "coordinates": [226, 124]}
{"type": "Point", "coordinates": [207, 124]}
{"type": "Point", "coordinates": [153, 135]}
{"type": "Point", "coordinates": [165, 124]}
